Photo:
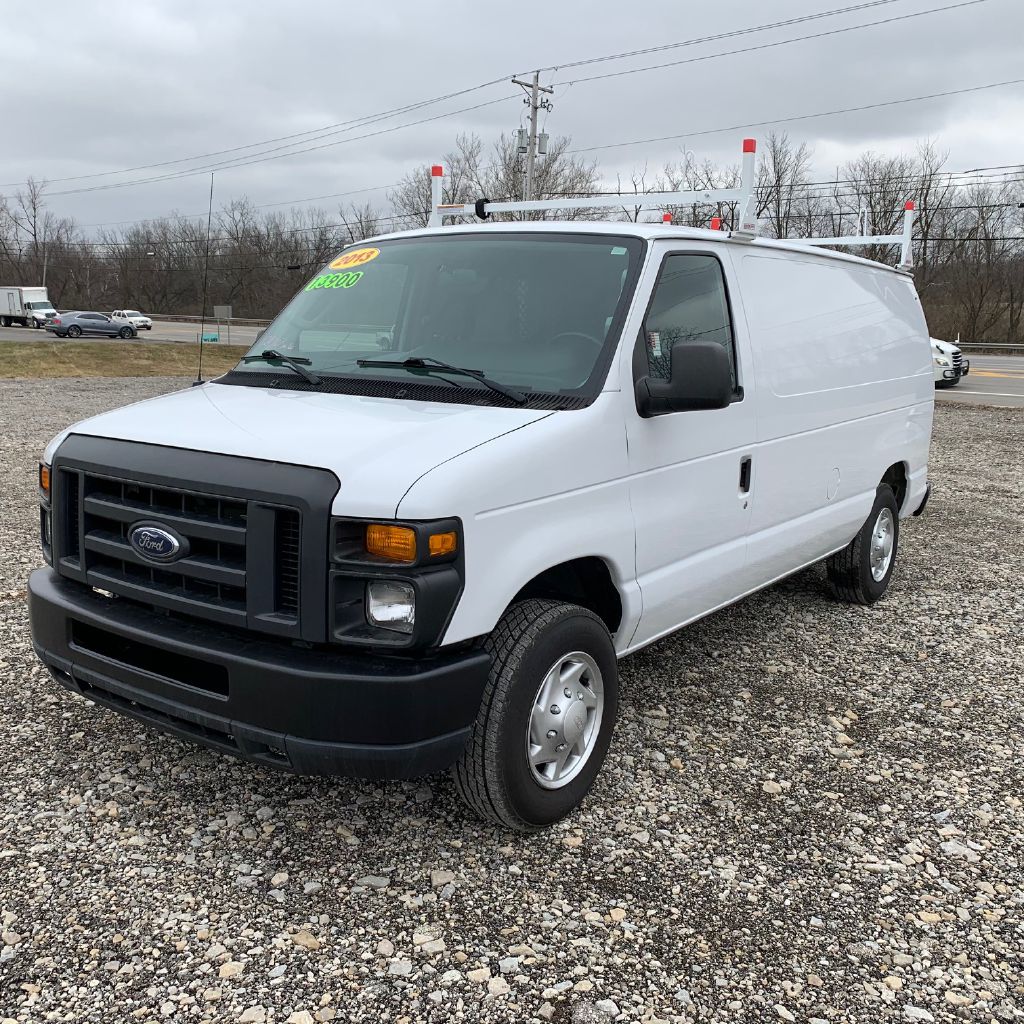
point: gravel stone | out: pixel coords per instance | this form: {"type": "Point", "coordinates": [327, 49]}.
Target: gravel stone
{"type": "Point", "coordinates": [135, 869]}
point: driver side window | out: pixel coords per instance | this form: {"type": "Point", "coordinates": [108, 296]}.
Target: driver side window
{"type": "Point", "coordinates": [689, 304]}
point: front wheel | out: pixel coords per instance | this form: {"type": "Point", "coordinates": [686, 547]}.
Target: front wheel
{"type": "Point", "coordinates": [126, 332]}
{"type": "Point", "coordinates": [860, 573]}
{"type": "Point", "coordinates": [546, 718]}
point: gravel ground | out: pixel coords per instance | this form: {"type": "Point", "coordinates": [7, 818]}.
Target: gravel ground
{"type": "Point", "coordinates": [809, 812]}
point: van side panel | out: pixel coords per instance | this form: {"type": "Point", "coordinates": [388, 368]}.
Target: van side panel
{"type": "Point", "coordinates": [843, 358]}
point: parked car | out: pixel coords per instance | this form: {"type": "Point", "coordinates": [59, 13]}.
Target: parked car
{"type": "Point", "coordinates": [28, 307]}
{"type": "Point", "coordinates": [75, 325]}
{"type": "Point", "coordinates": [948, 364]}
{"type": "Point", "coordinates": [135, 318]}
{"type": "Point", "coordinates": [464, 472]}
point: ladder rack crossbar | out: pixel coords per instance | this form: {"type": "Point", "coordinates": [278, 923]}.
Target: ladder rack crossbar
{"type": "Point", "coordinates": [743, 196]}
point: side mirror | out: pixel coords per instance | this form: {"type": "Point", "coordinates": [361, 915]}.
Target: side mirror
{"type": "Point", "coordinates": [701, 379]}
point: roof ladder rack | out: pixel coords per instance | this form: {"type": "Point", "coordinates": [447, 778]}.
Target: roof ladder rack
{"type": "Point", "coordinates": [743, 196]}
{"type": "Point", "coordinates": [904, 240]}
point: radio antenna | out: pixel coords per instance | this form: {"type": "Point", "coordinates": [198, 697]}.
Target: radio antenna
{"type": "Point", "coordinates": [206, 282]}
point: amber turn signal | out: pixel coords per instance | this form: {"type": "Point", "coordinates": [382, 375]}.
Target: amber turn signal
{"type": "Point", "coordinates": [442, 543]}
{"type": "Point", "coordinates": [395, 543]}
{"type": "Point", "coordinates": [44, 478]}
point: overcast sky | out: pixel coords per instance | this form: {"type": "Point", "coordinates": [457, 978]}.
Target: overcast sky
{"type": "Point", "coordinates": [99, 87]}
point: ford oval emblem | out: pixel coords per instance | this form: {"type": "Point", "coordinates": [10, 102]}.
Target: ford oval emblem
{"type": "Point", "coordinates": [157, 543]}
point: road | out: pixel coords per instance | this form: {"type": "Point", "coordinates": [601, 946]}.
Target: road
{"type": "Point", "coordinates": [162, 331]}
{"type": "Point", "coordinates": [993, 380]}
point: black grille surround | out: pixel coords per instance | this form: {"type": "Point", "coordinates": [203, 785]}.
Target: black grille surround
{"type": "Point", "coordinates": [256, 532]}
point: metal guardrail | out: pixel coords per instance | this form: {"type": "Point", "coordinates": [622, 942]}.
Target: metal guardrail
{"type": "Point", "coordinates": [979, 346]}
{"type": "Point", "coordinates": [235, 320]}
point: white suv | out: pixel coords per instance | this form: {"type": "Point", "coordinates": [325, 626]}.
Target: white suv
{"type": "Point", "coordinates": [134, 317]}
{"type": "Point", "coordinates": [462, 474]}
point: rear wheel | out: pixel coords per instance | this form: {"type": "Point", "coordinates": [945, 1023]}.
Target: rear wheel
{"type": "Point", "coordinates": [860, 573]}
{"type": "Point", "coordinates": [5, 321]}
{"type": "Point", "coordinates": [74, 331]}
{"type": "Point", "coordinates": [546, 718]}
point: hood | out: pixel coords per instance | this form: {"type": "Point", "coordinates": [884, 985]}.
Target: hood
{"type": "Point", "coordinates": [945, 347]}
{"type": "Point", "coordinates": [377, 447]}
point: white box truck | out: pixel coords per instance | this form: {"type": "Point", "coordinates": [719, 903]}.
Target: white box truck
{"type": "Point", "coordinates": [28, 307]}
{"type": "Point", "coordinates": [464, 472]}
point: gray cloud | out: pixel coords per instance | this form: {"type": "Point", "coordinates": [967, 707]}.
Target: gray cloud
{"type": "Point", "coordinates": [100, 87]}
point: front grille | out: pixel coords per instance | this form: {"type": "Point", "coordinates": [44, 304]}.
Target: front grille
{"type": "Point", "coordinates": [211, 581]}
{"type": "Point", "coordinates": [253, 533]}
{"type": "Point", "coordinates": [958, 360]}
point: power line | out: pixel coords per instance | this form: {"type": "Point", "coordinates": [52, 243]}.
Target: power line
{"type": "Point", "coordinates": [259, 206]}
{"type": "Point", "coordinates": [719, 36]}
{"type": "Point", "coordinates": [325, 131]}
{"type": "Point", "coordinates": [797, 117]}
{"type": "Point", "coordinates": [772, 45]}
{"type": "Point", "coordinates": [246, 161]}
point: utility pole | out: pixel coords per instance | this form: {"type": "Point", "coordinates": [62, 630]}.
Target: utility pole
{"type": "Point", "coordinates": [536, 104]}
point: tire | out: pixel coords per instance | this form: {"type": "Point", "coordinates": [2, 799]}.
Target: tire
{"type": "Point", "coordinates": [5, 321]}
{"type": "Point", "coordinates": [494, 776]}
{"type": "Point", "coordinates": [59, 335]}
{"type": "Point", "coordinates": [74, 331]}
{"type": "Point", "coordinates": [852, 575]}
{"type": "Point", "coordinates": [126, 333]}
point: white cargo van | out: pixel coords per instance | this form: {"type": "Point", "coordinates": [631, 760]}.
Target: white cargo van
{"type": "Point", "coordinates": [464, 472]}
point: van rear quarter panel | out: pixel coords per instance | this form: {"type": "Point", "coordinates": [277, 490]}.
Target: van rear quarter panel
{"type": "Point", "coordinates": [843, 361]}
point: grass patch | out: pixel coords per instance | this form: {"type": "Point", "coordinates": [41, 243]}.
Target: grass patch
{"type": "Point", "coordinates": [35, 359]}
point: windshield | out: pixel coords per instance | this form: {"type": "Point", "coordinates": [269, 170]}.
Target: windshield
{"type": "Point", "coordinates": [536, 312]}
{"type": "Point", "coordinates": [131, 312]}
{"type": "Point", "coordinates": [38, 305]}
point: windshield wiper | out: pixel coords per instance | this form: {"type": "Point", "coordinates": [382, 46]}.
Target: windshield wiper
{"type": "Point", "coordinates": [425, 364]}
{"type": "Point", "coordinates": [271, 355]}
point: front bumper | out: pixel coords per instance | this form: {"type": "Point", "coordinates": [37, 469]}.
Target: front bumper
{"type": "Point", "coordinates": [314, 711]}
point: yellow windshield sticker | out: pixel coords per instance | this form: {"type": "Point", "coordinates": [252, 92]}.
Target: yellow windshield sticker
{"type": "Point", "coordinates": [354, 258]}
{"type": "Point", "coordinates": [334, 280]}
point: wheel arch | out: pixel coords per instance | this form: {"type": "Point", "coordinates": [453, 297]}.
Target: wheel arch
{"type": "Point", "coordinates": [897, 476]}
{"type": "Point", "coordinates": [586, 581]}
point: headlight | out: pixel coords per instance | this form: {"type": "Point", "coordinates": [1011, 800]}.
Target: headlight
{"type": "Point", "coordinates": [941, 361]}
{"type": "Point", "coordinates": [391, 604]}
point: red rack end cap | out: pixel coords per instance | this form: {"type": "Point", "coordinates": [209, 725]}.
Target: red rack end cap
{"type": "Point", "coordinates": [437, 171]}
{"type": "Point", "coordinates": [750, 145]}
{"type": "Point", "coordinates": [716, 223]}
{"type": "Point", "coordinates": [909, 205]}
{"type": "Point", "coordinates": [667, 218]}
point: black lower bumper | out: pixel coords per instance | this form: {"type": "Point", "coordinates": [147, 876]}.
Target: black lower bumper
{"type": "Point", "coordinates": [312, 711]}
